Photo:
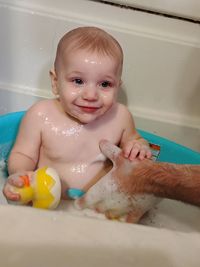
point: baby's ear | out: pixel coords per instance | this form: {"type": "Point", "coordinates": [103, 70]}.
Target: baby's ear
{"type": "Point", "coordinates": [54, 81]}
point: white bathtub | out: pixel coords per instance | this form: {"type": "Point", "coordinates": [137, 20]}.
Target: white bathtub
{"type": "Point", "coordinates": [37, 238]}
{"type": "Point", "coordinates": [67, 237]}
{"type": "Point", "coordinates": [161, 88]}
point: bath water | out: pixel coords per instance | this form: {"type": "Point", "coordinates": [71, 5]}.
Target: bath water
{"type": "Point", "coordinates": [167, 214]}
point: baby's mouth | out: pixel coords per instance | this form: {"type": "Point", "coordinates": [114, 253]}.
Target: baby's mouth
{"type": "Point", "coordinates": [88, 109]}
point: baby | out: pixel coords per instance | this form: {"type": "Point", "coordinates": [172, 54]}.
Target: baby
{"type": "Point", "coordinates": [64, 132]}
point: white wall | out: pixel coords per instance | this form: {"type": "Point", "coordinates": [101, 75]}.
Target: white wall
{"type": "Point", "coordinates": [183, 8]}
{"type": "Point", "coordinates": [161, 70]}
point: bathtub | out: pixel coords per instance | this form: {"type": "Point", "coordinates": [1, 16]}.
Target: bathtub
{"type": "Point", "coordinates": [161, 89]}
{"type": "Point", "coordinates": [168, 236]}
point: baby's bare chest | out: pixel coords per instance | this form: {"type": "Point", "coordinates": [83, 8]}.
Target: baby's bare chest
{"type": "Point", "coordinates": [76, 142]}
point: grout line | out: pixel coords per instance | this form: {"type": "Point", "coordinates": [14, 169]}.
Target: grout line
{"type": "Point", "coordinates": [196, 21]}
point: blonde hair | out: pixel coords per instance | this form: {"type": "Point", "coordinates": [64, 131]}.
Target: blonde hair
{"type": "Point", "coordinates": [92, 39]}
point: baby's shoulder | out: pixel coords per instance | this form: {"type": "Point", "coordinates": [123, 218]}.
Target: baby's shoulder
{"type": "Point", "coordinates": [39, 110]}
{"type": "Point", "coordinates": [43, 106]}
{"type": "Point", "coordinates": [123, 115]}
{"type": "Point", "coordinates": [122, 110]}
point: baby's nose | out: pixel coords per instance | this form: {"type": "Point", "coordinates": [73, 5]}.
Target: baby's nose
{"type": "Point", "coordinates": [90, 94]}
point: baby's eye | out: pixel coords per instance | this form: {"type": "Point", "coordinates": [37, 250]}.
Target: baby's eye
{"type": "Point", "coordinates": [78, 81]}
{"type": "Point", "coordinates": [106, 84]}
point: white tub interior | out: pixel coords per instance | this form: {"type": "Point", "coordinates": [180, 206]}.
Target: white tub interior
{"type": "Point", "coordinates": [169, 235]}
{"type": "Point", "coordinates": [59, 239]}
{"type": "Point", "coordinates": [161, 88]}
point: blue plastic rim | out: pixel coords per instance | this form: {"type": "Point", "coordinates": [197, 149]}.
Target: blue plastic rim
{"type": "Point", "coordinates": [74, 193]}
{"type": "Point", "coordinates": [9, 125]}
{"type": "Point", "coordinates": [170, 151]}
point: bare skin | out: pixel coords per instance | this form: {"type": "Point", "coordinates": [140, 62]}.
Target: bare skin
{"type": "Point", "coordinates": [64, 133]}
{"type": "Point", "coordinates": [133, 178]}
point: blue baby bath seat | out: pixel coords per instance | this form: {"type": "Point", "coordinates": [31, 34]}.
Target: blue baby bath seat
{"type": "Point", "coordinates": [170, 151]}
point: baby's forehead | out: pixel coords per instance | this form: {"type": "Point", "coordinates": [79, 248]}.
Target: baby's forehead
{"type": "Point", "coordinates": [88, 55]}
{"type": "Point", "coordinates": [83, 57]}
{"type": "Point", "coordinates": [104, 46]}
{"type": "Point", "coordinates": [91, 39]}
{"type": "Point", "coordinates": [71, 52]}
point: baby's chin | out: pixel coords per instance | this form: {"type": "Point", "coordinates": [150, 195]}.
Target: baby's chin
{"type": "Point", "coordinates": [87, 118]}
{"type": "Point", "coordinates": [87, 121]}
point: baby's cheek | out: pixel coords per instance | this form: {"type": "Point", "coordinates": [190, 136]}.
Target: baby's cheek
{"type": "Point", "coordinates": [108, 99]}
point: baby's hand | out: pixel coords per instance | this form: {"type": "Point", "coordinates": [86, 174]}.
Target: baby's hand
{"type": "Point", "coordinates": [136, 149]}
{"type": "Point", "coordinates": [14, 180]}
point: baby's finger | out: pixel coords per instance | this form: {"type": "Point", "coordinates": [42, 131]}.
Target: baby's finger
{"type": "Point", "coordinates": [10, 195]}
{"type": "Point", "coordinates": [134, 152]}
{"type": "Point", "coordinates": [148, 154]}
{"type": "Point", "coordinates": [127, 149]}
{"type": "Point", "coordinates": [15, 181]}
{"type": "Point", "coordinates": [142, 154]}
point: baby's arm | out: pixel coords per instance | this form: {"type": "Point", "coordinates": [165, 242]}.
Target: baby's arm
{"type": "Point", "coordinates": [132, 144]}
{"type": "Point", "coordinates": [25, 153]}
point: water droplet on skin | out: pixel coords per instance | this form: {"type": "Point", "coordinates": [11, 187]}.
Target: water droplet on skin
{"type": "Point", "coordinates": [68, 130]}
{"type": "Point", "coordinates": [79, 168]}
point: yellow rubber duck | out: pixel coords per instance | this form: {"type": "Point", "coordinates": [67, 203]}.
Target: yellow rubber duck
{"type": "Point", "coordinates": [44, 189]}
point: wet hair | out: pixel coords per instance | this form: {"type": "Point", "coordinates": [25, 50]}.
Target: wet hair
{"type": "Point", "coordinates": [91, 39]}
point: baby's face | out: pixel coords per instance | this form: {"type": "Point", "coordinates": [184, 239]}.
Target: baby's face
{"type": "Point", "coordinates": [87, 84]}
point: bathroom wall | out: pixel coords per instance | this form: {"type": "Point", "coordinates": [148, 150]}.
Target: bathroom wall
{"type": "Point", "coordinates": [182, 8]}
{"type": "Point", "coordinates": [161, 81]}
